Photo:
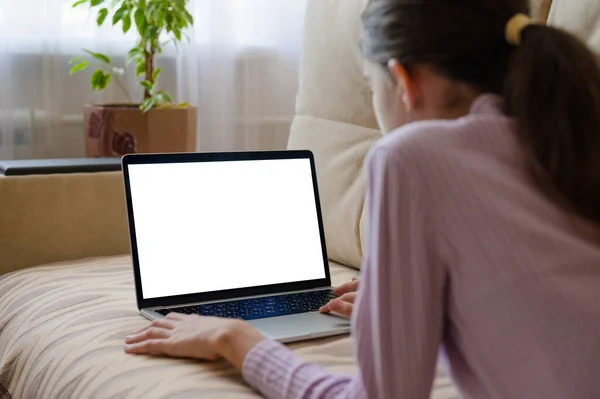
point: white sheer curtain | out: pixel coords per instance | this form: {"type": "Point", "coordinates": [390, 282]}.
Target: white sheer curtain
{"type": "Point", "coordinates": [240, 69]}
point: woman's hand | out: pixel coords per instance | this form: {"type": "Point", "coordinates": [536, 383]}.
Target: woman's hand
{"type": "Point", "coordinates": [198, 337]}
{"type": "Point", "coordinates": [344, 305]}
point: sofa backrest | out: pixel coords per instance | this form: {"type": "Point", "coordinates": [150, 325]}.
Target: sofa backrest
{"type": "Point", "coordinates": [581, 17]}
{"type": "Point", "coordinates": [335, 119]}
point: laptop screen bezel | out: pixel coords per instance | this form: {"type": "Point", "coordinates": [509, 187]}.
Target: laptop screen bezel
{"type": "Point", "coordinates": [146, 159]}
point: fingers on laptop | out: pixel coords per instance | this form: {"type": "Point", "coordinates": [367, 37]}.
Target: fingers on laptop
{"type": "Point", "coordinates": [349, 297]}
{"type": "Point", "coordinates": [325, 308]}
{"type": "Point", "coordinates": [175, 316]}
{"type": "Point", "coordinates": [342, 305]}
{"type": "Point", "coordinates": [350, 286]}
{"type": "Point", "coordinates": [163, 323]}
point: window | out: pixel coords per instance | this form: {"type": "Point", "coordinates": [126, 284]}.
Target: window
{"type": "Point", "coordinates": [35, 25]}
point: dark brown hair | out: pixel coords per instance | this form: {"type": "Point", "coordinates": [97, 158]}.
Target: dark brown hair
{"type": "Point", "coordinates": [550, 83]}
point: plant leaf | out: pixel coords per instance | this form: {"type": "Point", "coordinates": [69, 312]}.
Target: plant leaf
{"type": "Point", "coordinates": [177, 34]}
{"type": "Point", "coordinates": [96, 79]}
{"type": "Point", "coordinates": [180, 22]}
{"type": "Point", "coordinates": [160, 17]}
{"type": "Point", "coordinates": [126, 23]}
{"type": "Point", "coordinates": [100, 80]}
{"type": "Point", "coordinates": [94, 3]}
{"type": "Point", "coordinates": [140, 68]}
{"type": "Point", "coordinates": [150, 7]}
{"type": "Point", "coordinates": [102, 14]}
{"type": "Point", "coordinates": [150, 33]}
{"type": "Point", "coordinates": [147, 85]}
{"type": "Point", "coordinates": [106, 77]}
{"type": "Point", "coordinates": [189, 17]}
{"type": "Point", "coordinates": [135, 51]}
{"type": "Point", "coordinates": [78, 67]}
{"type": "Point", "coordinates": [165, 96]}
{"type": "Point", "coordinates": [76, 60]}
{"type": "Point", "coordinates": [79, 2]}
{"type": "Point", "coordinates": [156, 73]}
{"type": "Point", "coordinates": [140, 22]}
{"type": "Point", "coordinates": [119, 14]}
{"type": "Point", "coordinates": [100, 57]}
{"type": "Point", "coordinates": [142, 4]}
{"type": "Point", "coordinates": [148, 104]}
{"type": "Point", "coordinates": [136, 54]}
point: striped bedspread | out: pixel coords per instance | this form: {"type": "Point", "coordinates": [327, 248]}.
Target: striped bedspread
{"type": "Point", "coordinates": [61, 336]}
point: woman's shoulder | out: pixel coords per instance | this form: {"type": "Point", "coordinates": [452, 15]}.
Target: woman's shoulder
{"type": "Point", "coordinates": [435, 144]}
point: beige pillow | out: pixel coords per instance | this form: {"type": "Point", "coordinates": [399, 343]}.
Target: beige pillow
{"type": "Point", "coordinates": [540, 9]}
{"type": "Point", "coordinates": [335, 119]}
{"type": "Point", "coordinates": [339, 150]}
{"type": "Point", "coordinates": [581, 17]}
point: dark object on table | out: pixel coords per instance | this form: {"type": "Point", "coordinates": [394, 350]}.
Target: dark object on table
{"type": "Point", "coordinates": [56, 166]}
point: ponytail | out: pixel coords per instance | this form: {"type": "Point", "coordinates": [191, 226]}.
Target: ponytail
{"type": "Point", "coordinates": [553, 91]}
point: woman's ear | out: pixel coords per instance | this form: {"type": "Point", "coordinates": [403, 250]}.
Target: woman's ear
{"type": "Point", "coordinates": [407, 85]}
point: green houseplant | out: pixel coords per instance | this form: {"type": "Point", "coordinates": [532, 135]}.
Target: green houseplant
{"type": "Point", "coordinates": [116, 129]}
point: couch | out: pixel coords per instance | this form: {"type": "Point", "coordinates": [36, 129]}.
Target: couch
{"type": "Point", "coordinates": [66, 290]}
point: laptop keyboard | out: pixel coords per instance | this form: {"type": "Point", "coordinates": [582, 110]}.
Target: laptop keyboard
{"type": "Point", "coordinates": [260, 308]}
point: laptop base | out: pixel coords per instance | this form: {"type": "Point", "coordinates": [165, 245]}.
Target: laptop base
{"type": "Point", "coordinates": [291, 328]}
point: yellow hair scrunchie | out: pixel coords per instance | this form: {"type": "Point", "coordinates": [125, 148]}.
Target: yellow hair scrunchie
{"type": "Point", "coordinates": [515, 27]}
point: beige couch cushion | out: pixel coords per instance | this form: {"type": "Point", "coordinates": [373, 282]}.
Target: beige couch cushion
{"type": "Point", "coordinates": [540, 9]}
{"type": "Point", "coordinates": [339, 150]}
{"type": "Point", "coordinates": [61, 336]}
{"type": "Point", "coordinates": [332, 82]}
{"type": "Point", "coordinates": [335, 119]}
{"type": "Point", "coordinates": [581, 17]}
{"type": "Point", "coordinates": [52, 218]}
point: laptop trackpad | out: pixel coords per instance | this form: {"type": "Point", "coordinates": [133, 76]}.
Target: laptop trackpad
{"type": "Point", "coordinates": [301, 326]}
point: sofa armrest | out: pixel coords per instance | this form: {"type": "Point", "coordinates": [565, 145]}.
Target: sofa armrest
{"type": "Point", "coordinates": [53, 218]}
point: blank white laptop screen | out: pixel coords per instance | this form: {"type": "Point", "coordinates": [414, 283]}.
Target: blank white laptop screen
{"type": "Point", "coordinates": [211, 226]}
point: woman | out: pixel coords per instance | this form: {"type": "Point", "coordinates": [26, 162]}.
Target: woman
{"type": "Point", "coordinates": [484, 218]}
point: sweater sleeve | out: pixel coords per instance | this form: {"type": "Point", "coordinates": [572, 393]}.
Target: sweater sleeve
{"type": "Point", "coordinates": [400, 312]}
{"type": "Point", "coordinates": [274, 371]}
{"type": "Point", "coordinates": [397, 322]}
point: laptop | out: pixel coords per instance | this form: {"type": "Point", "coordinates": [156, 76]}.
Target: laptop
{"type": "Point", "coordinates": [236, 235]}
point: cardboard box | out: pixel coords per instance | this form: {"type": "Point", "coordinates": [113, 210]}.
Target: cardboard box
{"type": "Point", "coordinates": [114, 130]}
